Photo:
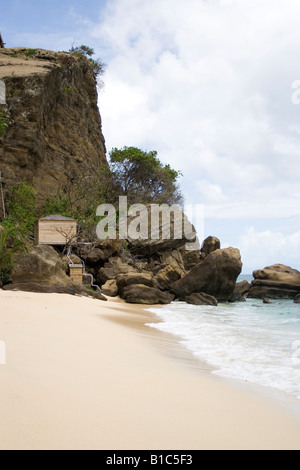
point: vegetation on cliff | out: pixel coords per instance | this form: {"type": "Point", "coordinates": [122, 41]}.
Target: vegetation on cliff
{"type": "Point", "coordinates": [52, 151]}
{"type": "Point", "coordinates": [3, 121]}
{"type": "Point", "coordinates": [143, 178]}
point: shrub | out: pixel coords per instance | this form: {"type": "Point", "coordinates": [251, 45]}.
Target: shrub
{"type": "Point", "coordinates": [87, 52]}
{"type": "Point", "coordinates": [10, 246]}
{"type": "Point", "coordinates": [30, 52]}
{"type": "Point", "coordinates": [3, 121]}
{"type": "Point", "coordinates": [22, 212]}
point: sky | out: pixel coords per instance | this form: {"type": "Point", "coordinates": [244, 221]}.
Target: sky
{"type": "Point", "coordinates": [213, 86]}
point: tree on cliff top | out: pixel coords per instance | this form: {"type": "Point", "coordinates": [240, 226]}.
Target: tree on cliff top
{"type": "Point", "coordinates": [85, 51]}
{"type": "Point", "coordinates": [143, 178]}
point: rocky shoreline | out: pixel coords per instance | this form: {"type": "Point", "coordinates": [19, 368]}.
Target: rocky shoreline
{"type": "Point", "coordinates": [204, 276]}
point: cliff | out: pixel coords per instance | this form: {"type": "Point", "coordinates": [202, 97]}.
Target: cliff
{"type": "Point", "coordinates": [54, 126]}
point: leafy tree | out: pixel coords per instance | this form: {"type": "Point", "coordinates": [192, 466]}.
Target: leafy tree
{"type": "Point", "coordinates": [143, 178]}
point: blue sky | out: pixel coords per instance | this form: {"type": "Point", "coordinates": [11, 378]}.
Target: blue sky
{"type": "Point", "coordinates": [209, 85]}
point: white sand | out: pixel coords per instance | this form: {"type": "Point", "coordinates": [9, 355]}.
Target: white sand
{"type": "Point", "coordinates": [74, 379]}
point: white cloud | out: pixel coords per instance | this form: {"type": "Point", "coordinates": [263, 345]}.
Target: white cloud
{"type": "Point", "coordinates": [260, 249]}
{"type": "Point", "coordinates": [208, 84]}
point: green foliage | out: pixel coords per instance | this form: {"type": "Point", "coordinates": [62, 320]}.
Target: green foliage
{"type": "Point", "coordinates": [6, 241]}
{"type": "Point", "coordinates": [21, 207]}
{"type": "Point", "coordinates": [84, 50]}
{"type": "Point", "coordinates": [79, 200]}
{"type": "Point", "coordinates": [143, 178]}
{"type": "Point", "coordinates": [87, 52]}
{"type": "Point", "coordinates": [30, 52]}
{"type": "Point", "coordinates": [68, 90]}
{"type": "Point", "coordinates": [3, 121]}
{"type": "Point", "coordinates": [57, 204]}
{"type": "Point", "coordinates": [11, 244]}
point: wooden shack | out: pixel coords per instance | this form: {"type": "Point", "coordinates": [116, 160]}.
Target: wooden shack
{"type": "Point", "coordinates": [76, 273]}
{"type": "Point", "coordinates": [55, 230]}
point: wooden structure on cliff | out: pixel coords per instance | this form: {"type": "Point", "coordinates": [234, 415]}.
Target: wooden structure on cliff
{"type": "Point", "coordinates": [59, 230]}
{"type": "Point", "coordinates": [2, 44]}
{"type": "Point", "coordinates": [55, 230]}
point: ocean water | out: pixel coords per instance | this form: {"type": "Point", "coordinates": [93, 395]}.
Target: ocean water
{"type": "Point", "coordinates": [250, 341]}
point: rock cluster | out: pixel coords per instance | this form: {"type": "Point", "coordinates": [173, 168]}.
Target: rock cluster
{"type": "Point", "coordinates": [158, 273]}
{"type": "Point", "coordinates": [167, 274]}
{"type": "Point", "coordinates": [275, 282]}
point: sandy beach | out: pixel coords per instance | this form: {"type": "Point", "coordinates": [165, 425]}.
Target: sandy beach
{"type": "Point", "coordinates": [87, 374]}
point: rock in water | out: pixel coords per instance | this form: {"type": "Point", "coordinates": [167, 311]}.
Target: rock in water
{"type": "Point", "coordinates": [201, 299]}
{"type": "Point", "coordinates": [216, 275]}
{"type": "Point", "coordinates": [240, 291]}
{"type": "Point", "coordinates": [141, 294]}
{"type": "Point", "coordinates": [297, 299]}
{"type": "Point", "coordinates": [275, 282]}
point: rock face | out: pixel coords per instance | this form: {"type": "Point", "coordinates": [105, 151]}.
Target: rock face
{"type": "Point", "coordinates": [275, 282]}
{"type": "Point", "coordinates": [54, 133]}
{"type": "Point", "coordinates": [216, 275]}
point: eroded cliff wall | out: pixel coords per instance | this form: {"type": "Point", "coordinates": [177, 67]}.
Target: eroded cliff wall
{"type": "Point", "coordinates": [54, 127]}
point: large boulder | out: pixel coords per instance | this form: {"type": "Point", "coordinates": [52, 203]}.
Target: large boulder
{"type": "Point", "coordinates": [174, 258]}
{"type": "Point", "coordinates": [276, 282]}
{"type": "Point", "coordinates": [297, 299]}
{"type": "Point", "coordinates": [190, 258]}
{"type": "Point", "coordinates": [201, 299]}
{"type": "Point", "coordinates": [112, 269]}
{"type": "Point", "coordinates": [167, 276]}
{"type": "Point", "coordinates": [42, 270]}
{"type": "Point", "coordinates": [42, 266]}
{"type": "Point", "coordinates": [141, 294]}
{"type": "Point", "coordinates": [240, 291]}
{"type": "Point", "coordinates": [102, 251]}
{"type": "Point", "coordinates": [216, 275]}
{"type": "Point", "coordinates": [110, 288]}
{"type": "Point", "coordinates": [168, 232]}
{"type": "Point", "coordinates": [125, 280]}
{"type": "Point", "coordinates": [209, 245]}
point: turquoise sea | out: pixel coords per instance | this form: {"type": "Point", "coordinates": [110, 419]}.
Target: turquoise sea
{"type": "Point", "coordinates": [250, 341]}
